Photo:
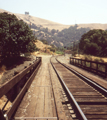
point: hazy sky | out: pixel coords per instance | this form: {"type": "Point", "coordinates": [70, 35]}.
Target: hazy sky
{"type": "Point", "coordinates": [61, 11]}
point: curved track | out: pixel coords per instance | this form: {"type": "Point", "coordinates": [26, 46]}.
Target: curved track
{"type": "Point", "coordinates": [91, 101]}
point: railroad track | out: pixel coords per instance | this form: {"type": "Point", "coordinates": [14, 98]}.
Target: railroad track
{"type": "Point", "coordinates": [88, 99]}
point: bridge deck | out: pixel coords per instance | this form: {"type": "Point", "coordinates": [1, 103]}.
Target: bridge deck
{"type": "Point", "coordinates": [43, 100]}
{"type": "Point", "coordinates": [39, 100]}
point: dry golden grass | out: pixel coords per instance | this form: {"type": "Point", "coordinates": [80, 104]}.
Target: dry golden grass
{"type": "Point", "coordinates": [93, 26]}
{"type": "Point", "coordinates": [43, 48]}
{"type": "Point", "coordinates": [92, 57]}
{"type": "Point", "coordinates": [2, 70]}
{"type": "Point", "coordinates": [53, 25]}
{"type": "Point", "coordinates": [40, 45]}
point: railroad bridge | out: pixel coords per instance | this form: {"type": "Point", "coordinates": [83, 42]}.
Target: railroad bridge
{"type": "Point", "coordinates": [53, 89]}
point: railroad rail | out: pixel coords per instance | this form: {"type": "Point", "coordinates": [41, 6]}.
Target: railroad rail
{"type": "Point", "coordinates": [88, 100]}
{"type": "Point", "coordinates": [15, 88]}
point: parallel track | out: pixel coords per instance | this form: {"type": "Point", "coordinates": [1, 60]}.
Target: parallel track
{"type": "Point", "coordinates": [91, 101]}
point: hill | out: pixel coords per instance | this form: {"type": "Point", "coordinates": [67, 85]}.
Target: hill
{"type": "Point", "coordinates": [43, 48]}
{"type": "Point", "coordinates": [39, 21]}
{"type": "Point", "coordinates": [55, 33]}
{"type": "Point", "coordinates": [53, 25]}
{"type": "Point", "coordinates": [93, 26]}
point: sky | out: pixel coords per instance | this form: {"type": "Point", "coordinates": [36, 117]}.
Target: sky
{"type": "Point", "coordinates": [66, 12]}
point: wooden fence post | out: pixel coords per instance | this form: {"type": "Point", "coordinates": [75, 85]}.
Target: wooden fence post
{"type": "Point", "coordinates": [70, 60]}
{"type": "Point", "coordinates": [106, 70]}
{"type": "Point", "coordinates": [73, 61]}
{"type": "Point", "coordinates": [97, 67]}
{"type": "Point", "coordinates": [90, 65]}
{"type": "Point", "coordinates": [81, 62]}
{"type": "Point", "coordinates": [85, 63]}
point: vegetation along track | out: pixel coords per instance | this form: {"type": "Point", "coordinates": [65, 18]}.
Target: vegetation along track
{"type": "Point", "coordinates": [89, 102]}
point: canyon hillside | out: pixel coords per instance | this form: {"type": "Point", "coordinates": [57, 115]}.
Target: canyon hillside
{"type": "Point", "coordinates": [56, 33]}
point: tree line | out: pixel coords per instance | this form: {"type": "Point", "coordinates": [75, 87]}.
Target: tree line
{"type": "Point", "coordinates": [65, 36]}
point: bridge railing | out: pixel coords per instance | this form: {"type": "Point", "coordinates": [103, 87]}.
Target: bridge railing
{"type": "Point", "coordinates": [15, 88]}
{"type": "Point", "coordinates": [92, 66]}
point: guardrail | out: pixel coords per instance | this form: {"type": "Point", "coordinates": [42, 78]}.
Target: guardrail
{"type": "Point", "coordinates": [92, 66]}
{"type": "Point", "coordinates": [15, 88]}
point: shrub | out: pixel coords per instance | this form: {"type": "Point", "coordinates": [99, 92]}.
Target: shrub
{"type": "Point", "coordinates": [52, 49]}
{"type": "Point", "coordinates": [60, 52]}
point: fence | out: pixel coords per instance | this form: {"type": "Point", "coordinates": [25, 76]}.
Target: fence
{"type": "Point", "coordinates": [92, 66]}
{"type": "Point", "coordinates": [15, 88]}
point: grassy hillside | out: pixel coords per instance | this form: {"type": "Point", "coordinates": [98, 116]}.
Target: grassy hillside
{"type": "Point", "coordinates": [55, 33]}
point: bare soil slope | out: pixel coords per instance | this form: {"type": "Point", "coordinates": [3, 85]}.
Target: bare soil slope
{"type": "Point", "coordinates": [40, 45]}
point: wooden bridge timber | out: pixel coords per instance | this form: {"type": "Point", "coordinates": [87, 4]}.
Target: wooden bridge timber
{"type": "Point", "coordinates": [46, 91]}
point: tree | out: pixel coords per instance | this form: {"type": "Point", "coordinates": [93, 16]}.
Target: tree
{"type": "Point", "coordinates": [94, 42]}
{"type": "Point", "coordinates": [45, 42]}
{"type": "Point", "coordinates": [15, 36]}
{"type": "Point", "coordinates": [53, 31]}
{"type": "Point", "coordinates": [92, 49]}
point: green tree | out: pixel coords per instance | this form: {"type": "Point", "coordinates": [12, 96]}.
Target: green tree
{"type": "Point", "coordinates": [53, 31]}
{"type": "Point", "coordinates": [45, 42]}
{"type": "Point", "coordinates": [94, 42]}
{"type": "Point", "coordinates": [15, 36]}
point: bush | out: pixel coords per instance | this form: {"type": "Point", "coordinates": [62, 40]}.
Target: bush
{"type": "Point", "coordinates": [27, 54]}
{"type": "Point", "coordinates": [60, 52]}
{"type": "Point", "coordinates": [74, 53]}
{"type": "Point", "coordinates": [45, 42]}
{"type": "Point", "coordinates": [52, 49]}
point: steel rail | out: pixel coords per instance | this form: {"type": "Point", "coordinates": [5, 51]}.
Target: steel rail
{"type": "Point", "coordinates": [98, 87]}
{"type": "Point", "coordinates": [72, 100]}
